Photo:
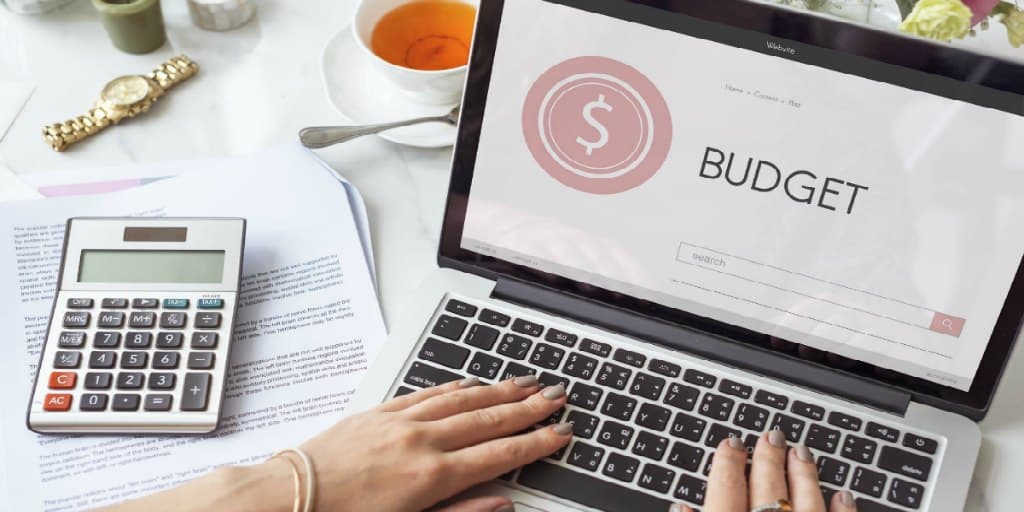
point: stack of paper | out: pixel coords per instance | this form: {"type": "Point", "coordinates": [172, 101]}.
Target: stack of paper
{"type": "Point", "coordinates": [301, 343]}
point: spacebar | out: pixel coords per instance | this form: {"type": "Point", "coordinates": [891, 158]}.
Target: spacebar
{"type": "Point", "coordinates": [587, 490]}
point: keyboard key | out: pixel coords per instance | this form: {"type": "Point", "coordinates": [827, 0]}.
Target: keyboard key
{"type": "Point", "coordinates": [165, 360]}
{"type": "Point", "coordinates": [547, 356]}
{"type": "Point", "coordinates": [450, 327]}
{"type": "Point", "coordinates": [460, 308]}
{"type": "Point", "coordinates": [130, 380]}
{"type": "Point", "coordinates": [161, 402]}
{"type": "Point", "coordinates": [114, 303]}
{"type": "Point", "coordinates": [200, 340]}
{"type": "Point", "coordinates": [585, 456]}
{"type": "Point", "coordinates": [595, 347]}
{"type": "Point", "coordinates": [64, 359]}
{"type": "Point", "coordinates": [585, 396]}
{"type": "Point", "coordinates": [207, 320]}
{"type": "Point", "coordinates": [527, 327]}
{"type": "Point", "coordinates": [210, 303]}
{"type": "Point", "coordinates": [514, 346]}
{"type": "Point", "coordinates": [562, 338]}
{"type": "Point", "coordinates": [814, 412]}
{"type": "Point", "coordinates": [141, 319]}
{"type": "Point", "coordinates": [200, 360]}
{"type": "Point", "coordinates": [921, 444]}
{"type": "Point", "coordinates": [686, 456]}
{"type": "Point", "coordinates": [906, 493]}
{"type": "Point", "coordinates": [832, 471]}
{"type": "Point", "coordinates": [827, 493]}
{"type": "Point", "coordinates": [866, 481]}
{"type": "Point", "coordinates": [583, 425]}
{"type": "Point", "coordinates": [771, 399]}
{"type": "Point", "coordinates": [615, 435]}
{"type": "Point", "coordinates": [664, 368]}
{"type": "Point", "coordinates": [195, 391]}
{"type": "Point", "coordinates": [177, 319]}
{"type": "Point", "coordinates": [587, 490]}
{"type": "Point", "coordinates": [691, 489]}
{"type": "Point", "coordinates": [110, 320]}
{"type": "Point", "coordinates": [95, 380]}
{"type": "Point", "coordinates": [650, 446]}
{"type": "Point", "coordinates": [57, 402]}
{"type": "Point", "coordinates": [618, 406]}
{"type": "Point", "coordinates": [76, 319]}
{"type": "Point", "coordinates": [134, 360]}
{"type": "Point", "coordinates": [125, 402]}
{"type": "Point", "coordinates": [653, 417]}
{"type": "Point", "coordinates": [629, 357]}
{"type": "Point", "coordinates": [79, 303]}
{"type": "Point", "coordinates": [621, 467]}
{"type": "Point", "coordinates": [444, 354]}
{"type": "Point", "coordinates": [699, 378]}
{"type": "Point", "coordinates": [750, 442]}
{"type": "Point", "coordinates": [733, 388]}
{"type": "Point", "coordinates": [716, 407]}
{"type": "Point", "coordinates": [62, 380]}
{"type": "Point", "coordinates": [145, 303]}
{"type": "Point", "coordinates": [656, 478]}
{"type": "Point", "coordinates": [580, 366]}
{"type": "Point", "coordinates": [647, 386]}
{"type": "Point", "coordinates": [682, 396]}
{"type": "Point", "coordinates": [71, 340]}
{"type": "Point", "coordinates": [93, 402]}
{"type": "Point", "coordinates": [484, 365]}
{"type": "Point", "coordinates": [426, 376]}
{"type": "Point", "coordinates": [161, 381]}
{"type": "Point", "coordinates": [514, 370]}
{"type": "Point", "coordinates": [822, 438]}
{"type": "Point", "coordinates": [138, 340]}
{"type": "Point", "coordinates": [905, 463]}
{"type": "Point", "coordinates": [859, 449]}
{"type": "Point", "coordinates": [792, 427]}
{"type": "Point", "coordinates": [846, 421]}
{"type": "Point", "coordinates": [688, 427]}
{"type": "Point", "coordinates": [494, 318]}
{"type": "Point", "coordinates": [482, 337]}
{"type": "Point", "coordinates": [106, 340]}
{"type": "Point", "coordinates": [882, 432]}
{"type": "Point", "coordinates": [613, 375]}
{"type": "Point", "coordinates": [717, 432]}
{"type": "Point", "coordinates": [403, 390]}
{"type": "Point", "coordinates": [549, 379]}
{"type": "Point", "coordinates": [175, 303]}
{"type": "Point", "coordinates": [864, 505]}
{"type": "Point", "coordinates": [102, 359]}
{"type": "Point", "coordinates": [751, 417]}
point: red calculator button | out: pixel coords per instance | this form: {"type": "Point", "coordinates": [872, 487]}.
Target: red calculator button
{"type": "Point", "coordinates": [55, 402]}
{"type": "Point", "coordinates": [62, 380]}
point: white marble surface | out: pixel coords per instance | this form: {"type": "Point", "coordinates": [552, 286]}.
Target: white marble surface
{"type": "Point", "coordinates": [258, 86]}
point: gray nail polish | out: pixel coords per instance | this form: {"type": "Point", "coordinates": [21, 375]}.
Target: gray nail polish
{"type": "Point", "coordinates": [562, 429]}
{"type": "Point", "coordinates": [525, 381]}
{"type": "Point", "coordinates": [846, 498]}
{"type": "Point", "coordinates": [508, 507]}
{"type": "Point", "coordinates": [804, 454]}
{"type": "Point", "coordinates": [777, 439]}
{"type": "Point", "coordinates": [736, 443]}
{"type": "Point", "coordinates": [677, 507]}
{"type": "Point", "coordinates": [468, 383]}
{"type": "Point", "coordinates": [553, 392]}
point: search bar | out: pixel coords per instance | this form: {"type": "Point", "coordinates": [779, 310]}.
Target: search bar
{"type": "Point", "coordinates": [728, 269]}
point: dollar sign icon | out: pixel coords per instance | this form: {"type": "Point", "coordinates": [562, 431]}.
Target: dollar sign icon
{"type": "Point", "coordinates": [601, 130]}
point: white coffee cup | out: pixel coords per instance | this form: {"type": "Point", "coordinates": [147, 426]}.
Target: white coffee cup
{"type": "Point", "coordinates": [436, 87]}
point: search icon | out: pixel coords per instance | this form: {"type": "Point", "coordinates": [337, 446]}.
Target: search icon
{"type": "Point", "coordinates": [947, 324]}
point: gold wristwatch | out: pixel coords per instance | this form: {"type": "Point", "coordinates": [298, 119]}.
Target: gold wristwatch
{"type": "Point", "coordinates": [123, 97]}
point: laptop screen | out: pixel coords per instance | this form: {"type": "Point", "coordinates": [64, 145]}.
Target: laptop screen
{"type": "Point", "coordinates": [869, 218]}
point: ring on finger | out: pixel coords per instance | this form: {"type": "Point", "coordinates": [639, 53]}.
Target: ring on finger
{"type": "Point", "coordinates": [782, 505]}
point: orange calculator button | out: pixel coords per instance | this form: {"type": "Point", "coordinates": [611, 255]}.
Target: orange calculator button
{"type": "Point", "coordinates": [62, 380]}
{"type": "Point", "coordinates": [57, 402]}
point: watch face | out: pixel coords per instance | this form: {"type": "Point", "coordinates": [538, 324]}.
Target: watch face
{"type": "Point", "coordinates": [126, 90]}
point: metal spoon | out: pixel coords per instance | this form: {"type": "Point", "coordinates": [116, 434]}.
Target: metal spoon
{"type": "Point", "coordinates": [315, 137]}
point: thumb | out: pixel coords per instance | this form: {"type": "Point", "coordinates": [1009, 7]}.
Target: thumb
{"type": "Point", "coordinates": [485, 504]}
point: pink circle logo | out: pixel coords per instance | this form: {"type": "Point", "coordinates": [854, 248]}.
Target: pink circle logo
{"type": "Point", "coordinates": [597, 125]}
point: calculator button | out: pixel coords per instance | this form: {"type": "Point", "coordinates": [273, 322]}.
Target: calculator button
{"type": "Point", "coordinates": [67, 359]}
{"type": "Point", "coordinates": [204, 340]}
{"type": "Point", "coordinates": [125, 403]}
{"type": "Point", "coordinates": [130, 380]}
{"type": "Point", "coordinates": [110, 319]}
{"type": "Point", "coordinates": [74, 319]}
{"type": "Point", "coordinates": [62, 380]}
{"type": "Point", "coordinates": [145, 303]}
{"type": "Point", "coordinates": [175, 303]}
{"type": "Point", "coordinates": [210, 304]}
{"type": "Point", "coordinates": [93, 402]}
{"type": "Point", "coordinates": [97, 381]}
{"type": "Point", "coordinates": [79, 303]}
{"type": "Point", "coordinates": [175, 320]}
{"type": "Point", "coordinates": [138, 340]}
{"type": "Point", "coordinates": [158, 403]}
{"type": "Point", "coordinates": [207, 320]}
{"type": "Point", "coordinates": [169, 340]}
{"type": "Point", "coordinates": [200, 361]}
{"type": "Point", "coordinates": [134, 360]}
{"type": "Point", "coordinates": [56, 402]}
{"type": "Point", "coordinates": [195, 392]}
{"type": "Point", "coordinates": [114, 303]}
{"type": "Point", "coordinates": [161, 381]}
{"type": "Point", "coordinates": [102, 359]}
{"type": "Point", "coordinates": [71, 340]}
{"type": "Point", "coordinates": [106, 340]}
{"type": "Point", "coordinates": [141, 319]}
{"type": "Point", "coordinates": [165, 360]}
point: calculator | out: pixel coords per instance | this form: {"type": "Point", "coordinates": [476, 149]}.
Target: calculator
{"type": "Point", "coordinates": [140, 331]}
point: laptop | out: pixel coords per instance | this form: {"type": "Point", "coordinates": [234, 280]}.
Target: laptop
{"type": "Point", "coordinates": [711, 218]}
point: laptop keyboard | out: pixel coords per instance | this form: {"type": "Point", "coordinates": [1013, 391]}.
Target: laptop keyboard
{"type": "Point", "coordinates": [646, 427]}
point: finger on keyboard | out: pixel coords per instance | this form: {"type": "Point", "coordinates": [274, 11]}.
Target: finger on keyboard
{"type": "Point", "coordinates": [805, 491]}
{"type": "Point", "coordinates": [842, 502]}
{"type": "Point", "coordinates": [480, 425]}
{"type": "Point", "coordinates": [469, 399]}
{"type": "Point", "coordinates": [768, 469]}
{"type": "Point", "coordinates": [406, 401]}
{"type": "Point", "coordinates": [489, 460]}
{"type": "Point", "coordinates": [727, 483]}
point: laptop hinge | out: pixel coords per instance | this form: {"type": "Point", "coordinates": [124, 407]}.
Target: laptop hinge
{"type": "Point", "coordinates": [708, 346]}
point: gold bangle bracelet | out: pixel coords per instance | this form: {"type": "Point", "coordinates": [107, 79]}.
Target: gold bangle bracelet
{"type": "Point", "coordinates": [310, 494]}
{"type": "Point", "coordinates": [297, 501]}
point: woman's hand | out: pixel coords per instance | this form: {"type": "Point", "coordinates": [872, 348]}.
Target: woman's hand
{"type": "Point", "coordinates": [777, 472]}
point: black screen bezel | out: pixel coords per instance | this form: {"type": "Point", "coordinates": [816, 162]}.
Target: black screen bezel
{"type": "Point", "coordinates": [956, 73]}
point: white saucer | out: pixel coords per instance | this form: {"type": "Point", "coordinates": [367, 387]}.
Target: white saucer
{"type": "Point", "coordinates": [363, 95]}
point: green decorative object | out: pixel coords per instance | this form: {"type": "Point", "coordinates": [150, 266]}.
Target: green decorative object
{"type": "Point", "coordinates": [134, 26]}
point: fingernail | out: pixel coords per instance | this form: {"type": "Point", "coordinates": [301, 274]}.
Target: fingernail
{"type": "Point", "coordinates": [508, 507]}
{"type": "Point", "coordinates": [562, 429]}
{"type": "Point", "coordinates": [846, 498]}
{"type": "Point", "coordinates": [525, 381]}
{"type": "Point", "coordinates": [777, 439]}
{"type": "Point", "coordinates": [678, 507]}
{"type": "Point", "coordinates": [804, 454]}
{"type": "Point", "coordinates": [553, 392]}
{"type": "Point", "coordinates": [468, 383]}
{"type": "Point", "coordinates": [736, 443]}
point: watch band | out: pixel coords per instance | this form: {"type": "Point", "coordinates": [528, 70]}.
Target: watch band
{"type": "Point", "coordinates": [174, 71]}
{"type": "Point", "coordinates": [61, 135]}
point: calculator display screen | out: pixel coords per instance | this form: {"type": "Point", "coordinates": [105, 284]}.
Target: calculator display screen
{"type": "Point", "coordinates": [106, 266]}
